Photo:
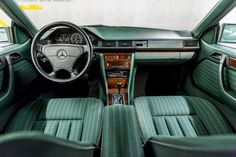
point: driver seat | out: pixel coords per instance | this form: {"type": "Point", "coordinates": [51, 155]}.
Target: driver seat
{"type": "Point", "coordinates": [73, 119]}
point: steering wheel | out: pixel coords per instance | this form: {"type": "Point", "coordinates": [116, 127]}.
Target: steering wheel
{"type": "Point", "coordinates": [62, 56]}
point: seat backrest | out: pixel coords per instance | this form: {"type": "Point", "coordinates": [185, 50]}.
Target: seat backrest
{"type": "Point", "coordinates": [28, 144]}
{"type": "Point", "coordinates": [208, 146]}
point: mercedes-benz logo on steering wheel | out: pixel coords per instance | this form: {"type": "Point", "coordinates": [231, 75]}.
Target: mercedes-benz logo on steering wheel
{"type": "Point", "coordinates": [62, 54]}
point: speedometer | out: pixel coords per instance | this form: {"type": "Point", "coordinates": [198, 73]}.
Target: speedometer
{"type": "Point", "coordinates": [76, 38]}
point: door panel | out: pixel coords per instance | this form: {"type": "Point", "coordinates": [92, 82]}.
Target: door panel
{"type": "Point", "coordinates": [232, 80]}
{"type": "Point", "coordinates": [7, 87]}
{"type": "Point", "coordinates": [1, 79]}
{"type": "Point", "coordinates": [208, 78]}
{"type": "Point", "coordinates": [25, 76]}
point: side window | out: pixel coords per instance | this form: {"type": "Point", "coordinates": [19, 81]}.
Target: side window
{"type": "Point", "coordinates": [227, 35]}
{"type": "Point", "coordinates": [5, 29]}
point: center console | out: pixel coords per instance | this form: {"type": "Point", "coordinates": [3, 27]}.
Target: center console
{"type": "Point", "coordinates": [117, 68]}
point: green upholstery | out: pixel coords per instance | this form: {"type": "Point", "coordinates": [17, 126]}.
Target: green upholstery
{"type": "Point", "coordinates": [36, 144]}
{"type": "Point", "coordinates": [121, 137]}
{"type": "Point", "coordinates": [232, 80]}
{"type": "Point", "coordinates": [1, 80]}
{"type": "Point", "coordinates": [178, 116]}
{"type": "Point", "coordinates": [206, 77]}
{"type": "Point", "coordinates": [24, 73]}
{"type": "Point", "coordinates": [210, 146]}
{"type": "Point", "coordinates": [75, 119]}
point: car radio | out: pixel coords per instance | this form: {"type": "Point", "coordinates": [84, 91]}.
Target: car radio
{"type": "Point", "coordinates": [117, 74]}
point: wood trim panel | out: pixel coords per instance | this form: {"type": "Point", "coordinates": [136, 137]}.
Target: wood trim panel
{"type": "Point", "coordinates": [232, 62]}
{"type": "Point", "coordinates": [113, 81]}
{"type": "Point", "coordinates": [117, 63]}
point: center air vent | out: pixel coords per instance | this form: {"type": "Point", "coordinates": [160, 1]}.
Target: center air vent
{"type": "Point", "coordinates": [190, 43]}
{"type": "Point", "coordinates": [125, 44]}
{"type": "Point", "coordinates": [141, 44]}
{"type": "Point", "coordinates": [109, 44]}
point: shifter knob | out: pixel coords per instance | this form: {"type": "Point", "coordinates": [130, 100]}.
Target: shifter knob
{"type": "Point", "coordinates": [118, 85]}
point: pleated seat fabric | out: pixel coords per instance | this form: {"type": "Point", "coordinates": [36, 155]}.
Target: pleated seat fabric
{"type": "Point", "coordinates": [74, 119]}
{"type": "Point", "coordinates": [121, 136]}
{"type": "Point", "coordinates": [178, 116]}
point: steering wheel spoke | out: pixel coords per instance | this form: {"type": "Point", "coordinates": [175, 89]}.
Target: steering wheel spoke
{"type": "Point", "coordinates": [85, 48]}
{"type": "Point", "coordinates": [52, 74]}
{"type": "Point", "coordinates": [73, 74]}
{"type": "Point", "coordinates": [39, 47]}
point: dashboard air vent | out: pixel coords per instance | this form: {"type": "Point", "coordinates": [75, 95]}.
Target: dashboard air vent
{"type": "Point", "coordinates": [125, 44]}
{"type": "Point", "coordinates": [141, 44]}
{"type": "Point", "coordinates": [109, 44]}
{"type": "Point", "coordinates": [190, 43]}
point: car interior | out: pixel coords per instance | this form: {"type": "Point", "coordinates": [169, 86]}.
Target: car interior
{"type": "Point", "coordinates": [118, 91]}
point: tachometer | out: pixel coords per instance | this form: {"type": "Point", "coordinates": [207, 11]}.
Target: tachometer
{"type": "Point", "coordinates": [76, 38]}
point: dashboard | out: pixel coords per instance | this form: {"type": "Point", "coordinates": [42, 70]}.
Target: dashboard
{"type": "Point", "coordinates": [147, 44]}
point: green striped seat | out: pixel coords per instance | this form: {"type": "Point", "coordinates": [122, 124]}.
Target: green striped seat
{"type": "Point", "coordinates": [178, 116]}
{"type": "Point", "coordinates": [74, 119]}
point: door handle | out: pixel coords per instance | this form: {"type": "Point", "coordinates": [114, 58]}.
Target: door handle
{"type": "Point", "coordinates": [14, 57]}
{"type": "Point", "coordinates": [223, 92]}
{"type": "Point", "coordinates": [217, 56]}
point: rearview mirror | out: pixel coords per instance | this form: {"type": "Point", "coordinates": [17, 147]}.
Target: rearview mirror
{"type": "Point", "coordinates": [228, 33]}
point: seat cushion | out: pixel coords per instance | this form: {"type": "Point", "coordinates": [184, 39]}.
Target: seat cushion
{"type": "Point", "coordinates": [178, 116]}
{"type": "Point", "coordinates": [75, 119]}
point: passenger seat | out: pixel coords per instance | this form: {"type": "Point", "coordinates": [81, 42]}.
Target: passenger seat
{"type": "Point", "coordinates": [166, 120]}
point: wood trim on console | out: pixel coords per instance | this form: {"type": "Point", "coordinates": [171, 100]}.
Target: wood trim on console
{"type": "Point", "coordinates": [232, 62]}
{"type": "Point", "coordinates": [118, 65]}
{"type": "Point", "coordinates": [112, 82]}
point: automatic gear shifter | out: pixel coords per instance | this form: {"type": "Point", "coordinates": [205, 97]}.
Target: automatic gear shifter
{"type": "Point", "coordinates": [118, 85]}
{"type": "Point", "coordinates": [118, 98]}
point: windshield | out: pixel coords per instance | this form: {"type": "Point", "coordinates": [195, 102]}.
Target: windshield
{"type": "Point", "coordinates": [165, 14]}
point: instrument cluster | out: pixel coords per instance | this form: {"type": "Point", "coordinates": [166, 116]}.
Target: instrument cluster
{"type": "Point", "coordinates": [66, 36]}
{"type": "Point", "coordinates": [69, 36]}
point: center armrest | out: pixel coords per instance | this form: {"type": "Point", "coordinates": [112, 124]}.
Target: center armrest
{"type": "Point", "coordinates": [121, 136]}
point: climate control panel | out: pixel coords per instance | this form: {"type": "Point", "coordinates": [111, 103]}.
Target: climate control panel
{"type": "Point", "coordinates": [118, 61]}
